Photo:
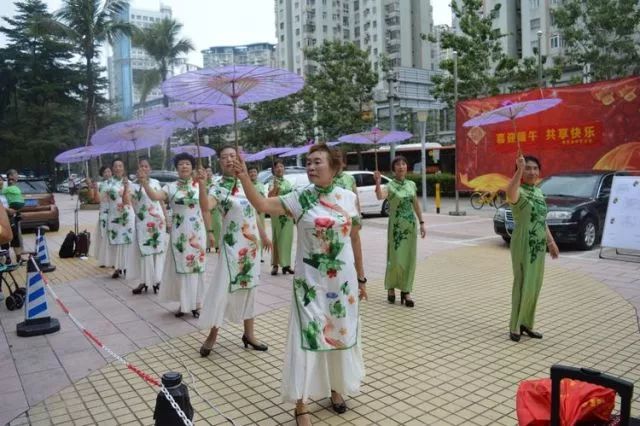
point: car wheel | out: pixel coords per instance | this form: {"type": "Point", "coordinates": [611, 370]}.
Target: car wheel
{"type": "Point", "coordinates": [588, 233]}
{"type": "Point", "coordinates": [385, 208]}
{"type": "Point", "coordinates": [506, 239]}
{"type": "Point", "coordinates": [54, 227]}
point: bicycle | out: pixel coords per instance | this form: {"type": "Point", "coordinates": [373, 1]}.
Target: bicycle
{"type": "Point", "coordinates": [480, 198]}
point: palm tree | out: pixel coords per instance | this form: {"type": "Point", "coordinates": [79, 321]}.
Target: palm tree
{"type": "Point", "coordinates": [160, 41]}
{"type": "Point", "coordinates": [145, 81]}
{"type": "Point", "coordinates": [88, 24]}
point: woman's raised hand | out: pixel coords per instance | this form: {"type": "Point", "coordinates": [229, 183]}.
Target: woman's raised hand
{"type": "Point", "coordinates": [377, 177]}
{"type": "Point", "coordinates": [240, 168]}
{"type": "Point", "coordinates": [520, 163]}
{"type": "Point", "coordinates": [201, 175]}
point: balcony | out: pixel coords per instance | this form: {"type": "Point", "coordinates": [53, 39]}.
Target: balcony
{"type": "Point", "coordinates": [309, 28]}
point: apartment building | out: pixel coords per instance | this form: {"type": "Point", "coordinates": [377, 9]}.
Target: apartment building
{"type": "Point", "coordinates": [251, 54]}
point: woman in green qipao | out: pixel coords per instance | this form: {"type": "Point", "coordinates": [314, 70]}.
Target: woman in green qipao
{"type": "Point", "coordinates": [529, 241]}
{"type": "Point", "coordinates": [216, 219]}
{"type": "Point", "coordinates": [402, 235]}
{"type": "Point", "coordinates": [347, 181]}
{"type": "Point", "coordinates": [323, 357]}
{"type": "Point", "coordinates": [232, 292]}
{"type": "Point", "coordinates": [282, 225]}
{"type": "Point", "coordinates": [184, 269]}
{"type": "Point", "coordinates": [262, 189]}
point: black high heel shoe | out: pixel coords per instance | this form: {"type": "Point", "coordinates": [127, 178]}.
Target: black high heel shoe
{"type": "Point", "coordinates": [391, 296]}
{"type": "Point", "coordinates": [514, 336]}
{"type": "Point", "coordinates": [274, 270]}
{"type": "Point", "coordinates": [287, 270]}
{"type": "Point", "coordinates": [156, 288]}
{"type": "Point", "coordinates": [259, 347]}
{"type": "Point", "coordinates": [338, 407]}
{"type": "Point", "coordinates": [116, 274]}
{"type": "Point", "coordinates": [204, 351]}
{"type": "Point", "coordinates": [179, 314]}
{"type": "Point", "coordinates": [196, 313]}
{"type": "Point", "coordinates": [140, 289]}
{"type": "Point", "coordinates": [404, 300]}
{"type": "Point", "coordinates": [530, 333]}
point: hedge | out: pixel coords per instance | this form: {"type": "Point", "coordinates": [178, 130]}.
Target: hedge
{"type": "Point", "coordinates": [446, 181]}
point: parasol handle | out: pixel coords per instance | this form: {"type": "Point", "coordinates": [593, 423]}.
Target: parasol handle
{"type": "Point", "coordinates": [515, 135]}
{"type": "Point", "coordinates": [198, 147]}
{"type": "Point", "coordinates": [376, 156]}
{"type": "Point", "coordinates": [235, 120]}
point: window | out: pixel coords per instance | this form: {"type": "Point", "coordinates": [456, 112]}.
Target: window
{"type": "Point", "coordinates": [554, 41]}
{"type": "Point", "coordinates": [297, 31]}
{"type": "Point", "coordinates": [365, 179]}
{"type": "Point", "coordinates": [324, 29]}
{"type": "Point", "coordinates": [535, 24]}
{"type": "Point", "coordinates": [297, 18]}
{"type": "Point", "coordinates": [282, 25]}
{"type": "Point", "coordinates": [282, 37]}
{"type": "Point", "coordinates": [534, 4]}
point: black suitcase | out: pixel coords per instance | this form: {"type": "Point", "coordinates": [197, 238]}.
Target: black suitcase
{"type": "Point", "coordinates": [83, 242]}
{"type": "Point", "coordinates": [622, 387]}
{"type": "Point", "coordinates": [68, 247]}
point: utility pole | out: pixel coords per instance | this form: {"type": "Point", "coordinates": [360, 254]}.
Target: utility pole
{"type": "Point", "coordinates": [391, 78]}
{"type": "Point", "coordinates": [457, 211]}
{"type": "Point", "coordinates": [539, 58]}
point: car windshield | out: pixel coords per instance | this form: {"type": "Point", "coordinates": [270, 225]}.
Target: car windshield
{"type": "Point", "coordinates": [570, 186]}
{"type": "Point", "coordinates": [33, 186]}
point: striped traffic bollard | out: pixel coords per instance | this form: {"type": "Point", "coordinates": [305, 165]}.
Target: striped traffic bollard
{"type": "Point", "coordinates": [36, 310]}
{"type": "Point", "coordinates": [42, 252]}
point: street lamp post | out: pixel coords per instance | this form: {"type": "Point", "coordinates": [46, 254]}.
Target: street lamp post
{"type": "Point", "coordinates": [539, 58]}
{"type": "Point", "coordinates": [422, 119]}
{"type": "Point", "coordinates": [391, 78]}
{"type": "Point", "coordinates": [457, 211]}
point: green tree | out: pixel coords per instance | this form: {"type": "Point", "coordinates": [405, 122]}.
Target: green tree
{"type": "Point", "coordinates": [39, 98]}
{"type": "Point", "coordinates": [88, 24]}
{"type": "Point", "coordinates": [517, 75]}
{"type": "Point", "coordinates": [338, 89]}
{"type": "Point", "coordinates": [145, 81]}
{"type": "Point", "coordinates": [161, 41]}
{"type": "Point", "coordinates": [601, 36]}
{"type": "Point", "coordinates": [478, 49]}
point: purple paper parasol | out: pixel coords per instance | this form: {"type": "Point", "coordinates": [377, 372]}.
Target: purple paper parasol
{"type": "Point", "coordinates": [128, 145]}
{"type": "Point", "coordinates": [77, 155]}
{"type": "Point", "coordinates": [303, 149]}
{"type": "Point", "coordinates": [196, 116]}
{"type": "Point", "coordinates": [512, 110]}
{"type": "Point", "coordinates": [376, 136]}
{"type": "Point", "coordinates": [261, 155]}
{"type": "Point", "coordinates": [233, 84]}
{"type": "Point", "coordinates": [195, 151]}
{"type": "Point", "coordinates": [132, 131]}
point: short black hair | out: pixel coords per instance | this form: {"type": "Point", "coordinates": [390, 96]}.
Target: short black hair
{"type": "Point", "coordinates": [144, 158]}
{"type": "Point", "coordinates": [252, 168]}
{"type": "Point", "coordinates": [534, 159]}
{"type": "Point", "coordinates": [396, 160]}
{"type": "Point", "coordinates": [275, 163]}
{"type": "Point", "coordinates": [225, 147]}
{"type": "Point", "coordinates": [124, 165]}
{"type": "Point", "coordinates": [103, 169]}
{"type": "Point", "coordinates": [184, 156]}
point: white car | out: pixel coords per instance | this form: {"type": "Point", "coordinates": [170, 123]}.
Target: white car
{"type": "Point", "coordinates": [365, 184]}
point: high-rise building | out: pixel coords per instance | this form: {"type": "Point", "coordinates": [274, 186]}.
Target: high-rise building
{"type": "Point", "coordinates": [128, 61]}
{"type": "Point", "coordinates": [250, 54]}
{"type": "Point", "coordinates": [381, 27]}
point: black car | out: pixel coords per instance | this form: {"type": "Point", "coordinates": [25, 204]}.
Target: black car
{"type": "Point", "coordinates": [577, 206]}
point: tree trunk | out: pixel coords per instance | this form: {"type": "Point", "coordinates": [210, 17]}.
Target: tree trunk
{"type": "Point", "coordinates": [90, 111]}
{"type": "Point", "coordinates": [165, 101]}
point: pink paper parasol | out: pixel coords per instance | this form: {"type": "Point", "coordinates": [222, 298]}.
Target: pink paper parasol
{"type": "Point", "coordinates": [195, 151]}
{"type": "Point", "coordinates": [233, 84]}
{"type": "Point", "coordinates": [511, 111]}
{"type": "Point", "coordinates": [375, 137]}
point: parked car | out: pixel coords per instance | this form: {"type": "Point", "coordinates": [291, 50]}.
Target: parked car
{"type": "Point", "coordinates": [39, 204]}
{"type": "Point", "coordinates": [164, 176]}
{"type": "Point", "coordinates": [577, 207]}
{"type": "Point", "coordinates": [365, 185]}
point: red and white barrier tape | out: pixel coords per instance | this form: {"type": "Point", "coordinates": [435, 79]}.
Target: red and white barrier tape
{"type": "Point", "coordinates": [144, 376]}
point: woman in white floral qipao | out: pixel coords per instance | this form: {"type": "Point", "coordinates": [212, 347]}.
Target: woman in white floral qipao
{"type": "Point", "coordinates": [101, 240]}
{"type": "Point", "coordinates": [121, 224]}
{"type": "Point", "coordinates": [151, 231]}
{"type": "Point", "coordinates": [232, 293]}
{"type": "Point", "coordinates": [184, 268]}
{"type": "Point", "coordinates": [323, 357]}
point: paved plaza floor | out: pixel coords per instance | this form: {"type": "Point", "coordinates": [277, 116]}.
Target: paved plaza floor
{"type": "Point", "coordinates": [447, 361]}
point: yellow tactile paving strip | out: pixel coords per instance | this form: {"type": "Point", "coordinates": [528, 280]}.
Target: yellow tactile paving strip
{"type": "Point", "coordinates": [447, 361]}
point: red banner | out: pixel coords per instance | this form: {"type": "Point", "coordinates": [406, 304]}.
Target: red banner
{"type": "Point", "coordinates": [596, 126]}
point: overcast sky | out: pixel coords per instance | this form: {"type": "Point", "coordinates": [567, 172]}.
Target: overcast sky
{"type": "Point", "coordinates": [222, 22]}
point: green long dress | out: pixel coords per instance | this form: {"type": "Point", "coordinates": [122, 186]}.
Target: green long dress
{"type": "Point", "coordinates": [528, 247]}
{"type": "Point", "coordinates": [402, 236]}
{"type": "Point", "coordinates": [282, 227]}
{"type": "Point", "coordinates": [216, 218]}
